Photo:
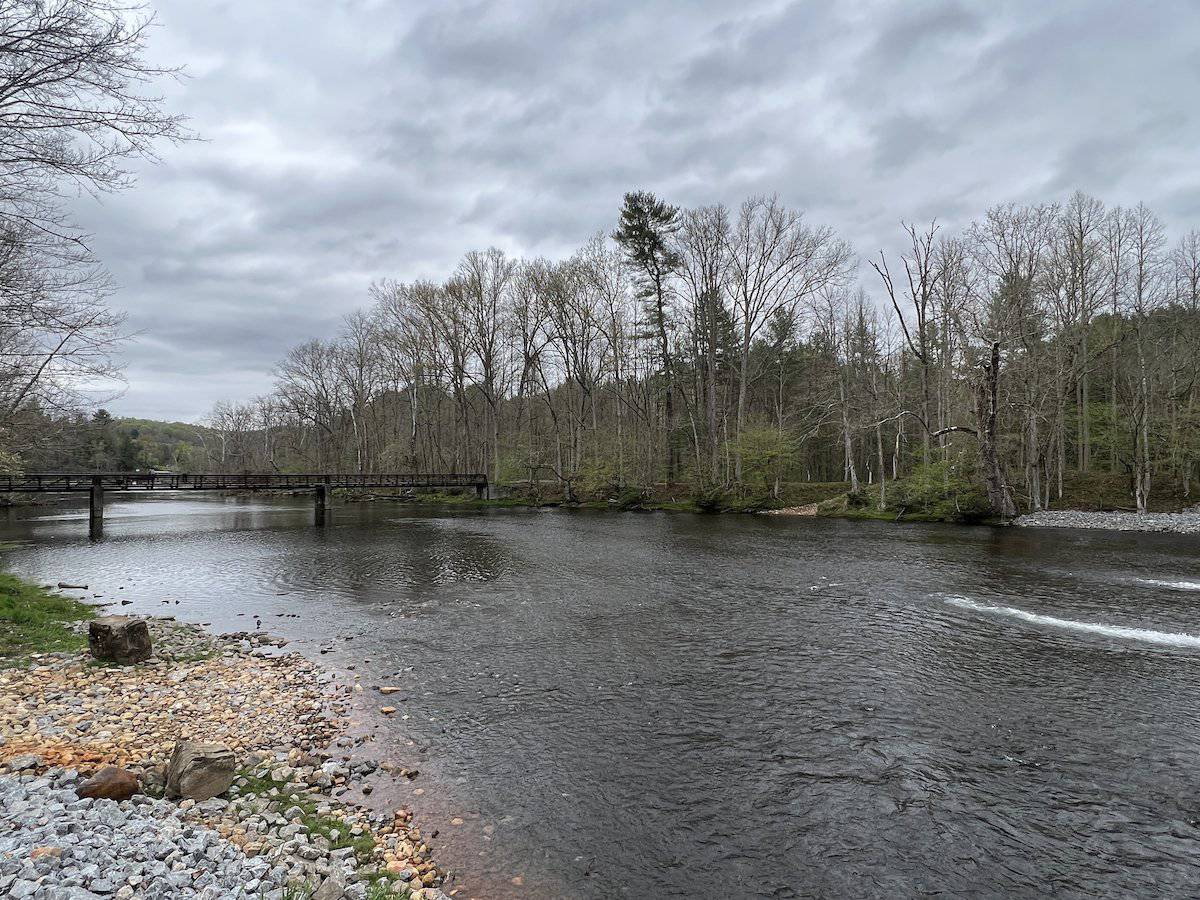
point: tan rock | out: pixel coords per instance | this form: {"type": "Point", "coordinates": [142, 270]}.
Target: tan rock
{"type": "Point", "coordinates": [199, 771]}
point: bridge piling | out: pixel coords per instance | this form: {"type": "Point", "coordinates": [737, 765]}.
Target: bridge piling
{"type": "Point", "coordinates": [321, 504]}
{"type": "Point", "coordinates": [96, 509]}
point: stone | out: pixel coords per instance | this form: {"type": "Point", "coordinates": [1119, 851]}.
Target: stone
{"type": "Point", "coordinates": [332, 888]}
{"type": "Point", "coordinates": [23, 762]}
{"type": "Point", "coordinates": [119, 639]}
{"type": "Point", "coordinates": [389, 690]}
{"type": "Point", "coordinates": [110, 783]}
{"type": "Point", "coordinates": [200, 771]}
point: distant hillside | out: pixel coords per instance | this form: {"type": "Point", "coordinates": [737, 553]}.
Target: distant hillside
{"type": "Point", "coordinates": [103, 442]}
{"type": "Point", "coordinates": [162, 445]}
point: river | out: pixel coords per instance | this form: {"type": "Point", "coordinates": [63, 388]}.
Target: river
{"type": "Point", "coordinates": [668, 705]}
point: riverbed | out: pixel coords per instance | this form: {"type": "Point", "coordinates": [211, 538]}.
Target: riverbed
{"type": "Point", "coordinates": [673, 705]}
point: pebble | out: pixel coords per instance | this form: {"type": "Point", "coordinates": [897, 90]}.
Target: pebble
{"type": "Point", "coordinates": [1186, 522]}
{"type": "Point", "coordinates": [62, 717]}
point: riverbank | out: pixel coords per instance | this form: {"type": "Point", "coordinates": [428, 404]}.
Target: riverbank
{"type": "Point", "coordinates": [654, 498]}
{"type": "Point", "coordinates": [1185, 522]}
{"type": "Point", "coordinates": [290, 827]}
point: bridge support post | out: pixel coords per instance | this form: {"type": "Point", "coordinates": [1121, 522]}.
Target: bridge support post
{"type": "Point", "coordinates": [96, 509]}
{"type": "Point", "coordinates": [321, 504]}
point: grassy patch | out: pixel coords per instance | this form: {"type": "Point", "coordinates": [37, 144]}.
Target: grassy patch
{"type": "Point", "coordinates": [939, 492]}
{"type": "Point", "coordinates": [383, 890]}
{"type": "Point", "coordinates": [35, 620]}
{"type": "Point", "coordinates": [468, 500]}
{"type": "Point", "coordinates": [313, 821]}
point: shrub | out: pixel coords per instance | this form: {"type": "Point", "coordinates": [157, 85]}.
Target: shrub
{"type": "Point", "coordinates": [945, 491]}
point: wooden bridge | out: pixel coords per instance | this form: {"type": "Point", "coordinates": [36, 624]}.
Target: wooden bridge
{"type": "Point", "coordinates": [320, 483]}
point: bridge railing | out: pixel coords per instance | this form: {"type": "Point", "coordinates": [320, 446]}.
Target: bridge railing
{"type": "Point", "coordinates": [62, 482]}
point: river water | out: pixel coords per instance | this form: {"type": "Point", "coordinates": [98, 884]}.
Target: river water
{"type": "Point", "coordinates": [667, 705]}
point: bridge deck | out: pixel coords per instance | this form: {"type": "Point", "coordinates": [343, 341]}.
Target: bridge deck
{"type": "Point", "coordinates": [68, 482]}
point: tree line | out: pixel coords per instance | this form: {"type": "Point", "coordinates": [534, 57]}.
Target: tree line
{"type": "Point", "coordinates": [733, 350]}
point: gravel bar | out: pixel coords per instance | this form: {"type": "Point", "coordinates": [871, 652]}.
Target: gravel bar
{"type": "Point", "coordinates": [1187, 522]}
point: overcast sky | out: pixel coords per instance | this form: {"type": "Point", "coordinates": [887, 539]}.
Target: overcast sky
{"type": "Point", "coordinates": [350, 140]}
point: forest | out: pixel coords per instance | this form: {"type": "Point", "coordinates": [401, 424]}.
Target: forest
{"type": "Point", "coordinates": [738, 350]}
{"type": "Point", "coordinates": [743, 353]}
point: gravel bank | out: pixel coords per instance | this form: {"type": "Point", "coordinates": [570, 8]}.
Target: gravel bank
{"type": "Point", "coordinates": [1187, 522]}
{"type": "Point", "coordinates": [288, 826]}
{"type": "Point", "coordinates": [55, 845]}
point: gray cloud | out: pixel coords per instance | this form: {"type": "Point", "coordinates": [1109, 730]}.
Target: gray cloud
{"type": "Point", "coordinates": [352, 140]}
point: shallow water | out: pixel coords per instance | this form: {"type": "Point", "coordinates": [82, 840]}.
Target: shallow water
{"type": "Point", "coordinates": [666, 705]}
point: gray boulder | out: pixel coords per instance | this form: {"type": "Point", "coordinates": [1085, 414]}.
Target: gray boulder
{"type": "Point", "coordinates": [332, 888]}
{"type": "Point", "coordinates": [200, 771]}
{"type": "Point", "coordinates": [119, 639]}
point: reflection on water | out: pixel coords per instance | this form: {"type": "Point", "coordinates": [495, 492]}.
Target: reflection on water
{"type": "Point", "coordinates": [681, 706]}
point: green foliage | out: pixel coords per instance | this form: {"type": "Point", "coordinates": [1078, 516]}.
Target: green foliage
{"type": "Point", "coordinates": [944, 492]}
{"type": "Point", "coordinates": [598, 476]}
{"type": "Point", "coordinates": [766, 454]}
{"type": "Point", "coordinates": [35, 620]}
{"type": "Point", "coordinates": [644, 232]}
{"type": "Point", "coordinates": [802, 493]}
{"type": "Point", "coordinates": [711, 499]}
{"type": "Point", "coordinates": [104, 443]}
{"type": "Point", "coordinates": [939, 492]}
{"type": "Point", "coordinates": [630, 499]}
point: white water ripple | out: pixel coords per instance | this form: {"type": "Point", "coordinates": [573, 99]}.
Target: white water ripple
{"type": "Point", "coordinates": [1173, 585]}
{"type": "Point", "coordinates": [1171, 638]}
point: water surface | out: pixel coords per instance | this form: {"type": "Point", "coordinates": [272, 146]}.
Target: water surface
{"type": "Point", "coordinates": [667, 705]}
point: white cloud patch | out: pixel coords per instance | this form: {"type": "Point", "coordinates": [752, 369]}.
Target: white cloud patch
{"type": "Point", "coordinates": [348, 141]}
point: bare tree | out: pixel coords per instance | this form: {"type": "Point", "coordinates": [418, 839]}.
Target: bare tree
{"type": "Point", "coordinates": [74, 102]}
{"type": "Point", "coordinates": [776, 261]}
{"type": "Point", "coordinates": [74, 109]}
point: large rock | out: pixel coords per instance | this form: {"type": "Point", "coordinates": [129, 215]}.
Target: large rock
{"type": "Point", "coordinates": [332, 888]}
{"type": "Point", "coordinates": [200, 771]}
{"type": "Point", "coordinates": [110, 783]}
{"type": "Point", "coordinates": [119, 639]}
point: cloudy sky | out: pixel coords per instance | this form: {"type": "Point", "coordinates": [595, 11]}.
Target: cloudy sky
{"type": "Point", "coordinates": [350, 140]}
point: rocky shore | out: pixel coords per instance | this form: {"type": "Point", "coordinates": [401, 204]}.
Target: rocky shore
{"type": "Point", "coordinates": [287, 828]}
{"type": "Point", "coordinates": [1186, 522]}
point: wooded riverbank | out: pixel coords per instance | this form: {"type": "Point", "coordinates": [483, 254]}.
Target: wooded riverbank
{"type": "Point", "coordinates": [935, 495]}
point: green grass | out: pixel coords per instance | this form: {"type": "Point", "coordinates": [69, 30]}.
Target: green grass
{"type": "Point", "coordinates": [381, 885]}
{"type": "Point", "coordinates": [468, 500]}
{"type": "Point", "coordinates": [382, 890]}
{"type": "Point", "coordinates": [314, 822]}
{"type": "Point", "coordinates": [892, 514]}
{"type": "Point", "coordinates": [35, 620]}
